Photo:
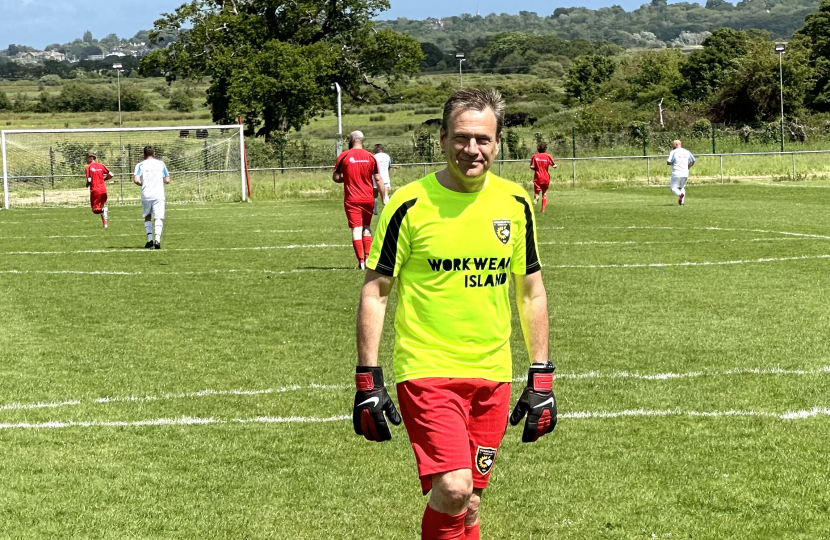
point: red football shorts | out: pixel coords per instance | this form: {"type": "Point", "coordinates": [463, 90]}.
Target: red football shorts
{"type": "Point", "coordinates": [359, 214]}
{"type": "Point", "coordinates": [539, 186]}
{"type": "Point", "coordinates": [97, 200]}
{"type": "Point", "coordinates": [454, 424]}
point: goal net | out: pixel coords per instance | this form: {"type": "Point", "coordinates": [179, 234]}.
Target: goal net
{"type": "Point", "coordinates": [46, 167]}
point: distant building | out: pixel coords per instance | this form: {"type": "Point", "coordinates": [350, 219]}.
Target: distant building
{"type": "Point", "coordinates": [36, 57]}
{"type": "Point", "coordinates": [95, 57]}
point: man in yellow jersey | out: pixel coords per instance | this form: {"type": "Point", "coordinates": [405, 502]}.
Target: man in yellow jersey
{"type": "Point", "coordinates": [454, 240]}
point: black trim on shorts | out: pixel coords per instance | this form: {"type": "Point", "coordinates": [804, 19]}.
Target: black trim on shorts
{"type": "Point", "coordinates": [532, 264]}
{"type": "Point", "coordinates": [389, 251]}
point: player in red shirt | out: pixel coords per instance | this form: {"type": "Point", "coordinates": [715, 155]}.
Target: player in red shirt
{"type": "Point", "coordinates": [355, 169]}
{"type": "Point", "coordinates": [97, 175]}
{"type": "Point", "coordinates": [540, 162]}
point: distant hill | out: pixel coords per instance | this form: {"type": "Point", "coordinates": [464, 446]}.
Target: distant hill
{"type": "Point", "coordinates": [651, 25]}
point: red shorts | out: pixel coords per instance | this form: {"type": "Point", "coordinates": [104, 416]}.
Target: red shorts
{"type": "Point", "coordinates": [454, 424]}
{"type": "Point", "coordinates": [359, 214]}
{"type": "Point", "coordinates": [97, 200]}
{"type": "Point", "coordinates": [539, 186]}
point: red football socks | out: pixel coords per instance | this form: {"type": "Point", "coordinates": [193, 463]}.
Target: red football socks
{"type": "Point", "coordinates": [358, 250]}
{"type": "Point", "coordinates": [471, 532]}
{"type": "Point", "coordinates": [544, 201]}
{"type": "Point", "coordinates": [367, 246]}
{"type": "Point", "coordinates": [438, 526]}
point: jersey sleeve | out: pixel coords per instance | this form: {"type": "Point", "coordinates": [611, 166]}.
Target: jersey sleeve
{"type": "Point", "coordinates": [525, 255]}
{"type": "Point", "coordinates": [691, 158]}
{"type": "Point", "coordinates": [86, 173]}
{"type": "Point", "coordinates": [165, 174]}
{"type": "Point", "coordinates": [339, 162]}
{"type": "Point", "coordinates": [552, 161]}
{"type": "Point", "coordinates": [392, 243]}
{"type": "Point", "coordinates": [137, 169]}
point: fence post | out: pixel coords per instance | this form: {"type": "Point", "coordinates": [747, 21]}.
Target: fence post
{"type": "Point", "coordinates": [714, 151]}
{"type": "Point", "coordinates": [648, 171]}
{"type": "Point", "coordinates": [721, 169]}
{"type": "Point", "coordinates": [52, 164]}
{"type": "Point", "coordinates": [425, 169]}
{"type": "Point", "coordinates": [793, 155]}
{"type": "Point", "coordinates": [573, 161]}
{"type": "Point", "coordinates": [274, 174]}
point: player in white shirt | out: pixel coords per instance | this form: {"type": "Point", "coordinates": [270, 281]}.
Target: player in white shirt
{"type": "Point", "coordinates": [151, 174]}
{"type": "Point", "coordinates": [384, 162]}
{"type": "Point", "coordinates": [681, 160]}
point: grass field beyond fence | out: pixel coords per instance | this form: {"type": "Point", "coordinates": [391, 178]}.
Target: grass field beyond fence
{"type": "Point", "coordinates": [203, 390]}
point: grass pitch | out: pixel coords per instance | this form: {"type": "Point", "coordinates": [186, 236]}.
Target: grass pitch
{"type": "Point", "coordinates": [202, 391]}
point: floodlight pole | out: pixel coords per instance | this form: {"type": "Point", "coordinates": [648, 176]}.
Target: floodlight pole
{"type": "Point", "coordinates": [461, 57]}
{"type": "Point", "coordinates": [779, 49]}
{"type": "Point", "coordinates": [117, 68]}
{"type": "Point", "coordinates": [338, 145]}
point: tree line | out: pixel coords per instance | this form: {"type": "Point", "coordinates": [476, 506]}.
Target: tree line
{"type": "Point", "coordinates": [733, 79]}
{"type": "Point", "coordinates": [655, 24]}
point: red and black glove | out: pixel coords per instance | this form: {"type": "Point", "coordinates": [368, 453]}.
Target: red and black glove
{"type": "Point", "coordinates": [538, 402]}
{"type": "Point", "coordinates": [371, 402]}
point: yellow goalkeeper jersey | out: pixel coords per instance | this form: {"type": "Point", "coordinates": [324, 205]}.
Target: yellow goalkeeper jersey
{"type": "Point", "coordinates": [452, 254]}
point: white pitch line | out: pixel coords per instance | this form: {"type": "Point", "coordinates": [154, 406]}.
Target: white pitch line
{"type": "Point", "coordinates": [691, 263]}
{"type": "Point", "coordinates": [577, 415]}
{"type": "Point", "coordinates": [181, 421]}
{"type": "Point", "coordinates": [651, 242]}
{"type": "Point", "coordinates": [193, 273]}
{"type": "Point", "coordinates": [789, 415]}
{"type": "Point", "coordinates": [139, 250]}
{"type": "Point", "coordinates": [209, 392]}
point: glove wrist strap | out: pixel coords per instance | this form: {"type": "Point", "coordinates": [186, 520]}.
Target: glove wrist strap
{"type": "Point", "coordinates": [368, 377]}
{"type": "Point", "coordinates": [540, 377]}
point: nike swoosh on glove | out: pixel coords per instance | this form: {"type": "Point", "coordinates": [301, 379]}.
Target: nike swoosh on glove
{"type": "Point", "coordinates": [372, 405]}
{"type": "Point", "coordinates": [538, 402]}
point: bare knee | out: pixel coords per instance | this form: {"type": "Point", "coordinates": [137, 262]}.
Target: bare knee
{"type": "Point", "coordinates": [451, 491]}
{"type": "Point", "coordinates": [148, 217]}
{"type": "Point", "coordinates": [472, 507]}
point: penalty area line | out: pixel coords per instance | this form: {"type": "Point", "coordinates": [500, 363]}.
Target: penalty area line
{"type": "Point", "coordinates": [576, 415]}
{"type": "Point", "coordinates": [590, 375]}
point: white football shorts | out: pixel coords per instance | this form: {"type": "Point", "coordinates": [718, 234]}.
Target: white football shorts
{"type": "Point", "coordinates": [153, 206]}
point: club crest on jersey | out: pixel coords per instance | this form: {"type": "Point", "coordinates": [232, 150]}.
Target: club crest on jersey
{"type": "Point", "coordinates": [485, 456]}
{"type": "Point", "coordinates": [502, 229]}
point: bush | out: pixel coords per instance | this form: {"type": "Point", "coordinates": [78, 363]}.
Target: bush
{"type": "Point", "coordinates": [5, 103]}
{"type": "Point", "coordinates": [702, 128]}
{"type": "Point", "coordinates": [81, 97]}
{"type": "Point", "coordinates": [51, 80]}
{"type": "Point", "coordinates": [180, 101]}
{"type": "Point", "coordinates": [377, 118]}
{"type": "Point", "coordinates": [162, 89]}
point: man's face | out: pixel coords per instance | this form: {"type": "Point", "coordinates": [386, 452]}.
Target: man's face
{"type": "Point", "coordinates": [89, 159]}
{"type": "Point", "coordinates": [470, 143]}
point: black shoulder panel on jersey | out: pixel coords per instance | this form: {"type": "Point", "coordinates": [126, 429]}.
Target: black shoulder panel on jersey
{"type": "Point", "coordinates": [389, 251]}
{"type": "Point", "coordinates": [531, 256]}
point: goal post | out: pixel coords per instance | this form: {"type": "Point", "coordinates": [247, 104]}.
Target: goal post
{"type": "Point", "coordinates": [45, 167]}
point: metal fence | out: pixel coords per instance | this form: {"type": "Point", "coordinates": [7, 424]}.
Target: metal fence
{"type": "Point", "coordinates": [586, 171]}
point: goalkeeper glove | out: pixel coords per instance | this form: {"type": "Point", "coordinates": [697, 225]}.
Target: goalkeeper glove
{"type": "Point", "coordinates": [371, 401]}
{"type": "Point", "coordinates": [538, 402]}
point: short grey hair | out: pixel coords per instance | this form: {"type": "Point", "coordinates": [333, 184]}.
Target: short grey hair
{"type": "Point", "coordinates": [475, 99]}
{"type": "Point", "coordinates": [356, 136]}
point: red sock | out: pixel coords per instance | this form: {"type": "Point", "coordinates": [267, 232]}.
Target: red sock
{"type": "Point", "coordinates": [367, 246]}
{"type": "Point", "coordinates": [438, 526]}
{"type": "Point", "coordinates": [358, 250]}
{"type": "Point", "coordinates": [544, 201]}
{"type": "Point", "coordinates": [471, 532]}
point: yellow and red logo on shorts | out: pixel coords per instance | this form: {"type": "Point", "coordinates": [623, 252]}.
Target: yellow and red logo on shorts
{"type": "Point", "coordinates": [485, 456]}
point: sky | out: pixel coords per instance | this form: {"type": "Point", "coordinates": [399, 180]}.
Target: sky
{"type": "Point", "coordinates": [38, 23]}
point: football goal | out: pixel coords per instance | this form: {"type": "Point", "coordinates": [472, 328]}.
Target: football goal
{"type": "Point", "coordinates": [45, 167]}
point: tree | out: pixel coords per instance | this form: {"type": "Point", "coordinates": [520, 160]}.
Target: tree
{"type": "Point", "coordinates": [180, 101]}
{"type": "Point", "coordinates": [814, 36]}
{"type": "Point", "coordinates": [586, 75]}
{"type": "Point", "coordinates": [88, 37]}
{"type": "Point", "coordinates": [753, 92]}
{"type": "Point", "coordinates": [275, 61]}
{"type": "Point", "coordinates": [704, 71]}
{"type": "Point", "coordinates": [5, 102]}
